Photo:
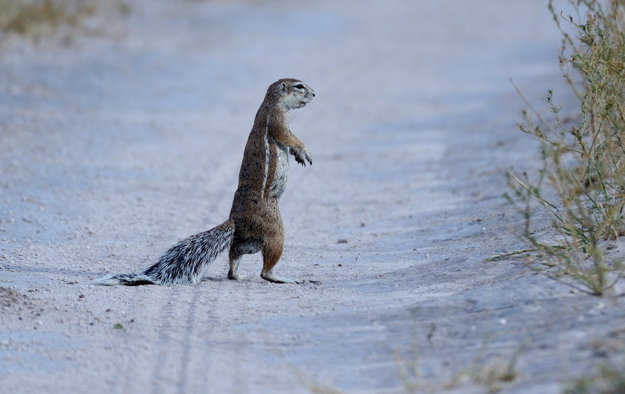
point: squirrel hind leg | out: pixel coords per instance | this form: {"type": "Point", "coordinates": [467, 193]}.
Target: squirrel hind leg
{"type": "Point", "coordinates": [235, 259]}
{"type": "Point", "coordinates": [271, 255]}
{"type": "Point", "coordinates": [237, 250]}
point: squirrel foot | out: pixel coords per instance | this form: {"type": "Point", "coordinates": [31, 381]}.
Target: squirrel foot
{"type": "Point", "coordinates": [235, 276]}
{"type": "Point", "coordinates": [270, 277]}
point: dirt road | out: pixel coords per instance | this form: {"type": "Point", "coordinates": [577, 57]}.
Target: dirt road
{"type": "Point", "coordinates": [119, 139]}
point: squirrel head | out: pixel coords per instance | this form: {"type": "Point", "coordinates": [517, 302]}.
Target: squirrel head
{"type": "Point", "coordinates": [291, 93]}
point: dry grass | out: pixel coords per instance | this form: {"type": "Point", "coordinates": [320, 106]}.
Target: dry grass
{"type": "Point", "coordinates": [491, 374]}
{"type": "Point", "coordinates": [581, 184]}
{"type": "Point", "coordinates": [609, 376]}
{"type": "Point", "coordinates": [36, 17]}
{"type": "Point", "coordinates": [483, 371]}
{"type": "Point", "coordinates": [311, 384]}
{"type": "Point", "coordinates": [609, 379]}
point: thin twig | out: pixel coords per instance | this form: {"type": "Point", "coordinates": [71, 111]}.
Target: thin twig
{"type": "Point", "coordinates": [509, 254]}
{"type": "Point", "coordinates": [532, 108]}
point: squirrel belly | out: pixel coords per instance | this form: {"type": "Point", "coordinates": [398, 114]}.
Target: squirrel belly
{"type": "Point", "coordinates": [255, 224]}
{"type": "Point", "coordinates": [281, 176]}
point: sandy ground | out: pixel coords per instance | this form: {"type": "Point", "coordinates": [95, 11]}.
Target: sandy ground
{"type": "Point", "coordinates": [121, 138]}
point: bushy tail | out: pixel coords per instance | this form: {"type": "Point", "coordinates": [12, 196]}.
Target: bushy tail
{"type": "Point", "coordinates": [185, 262]}
{"type": "Point", "coordinates": [124, 279]}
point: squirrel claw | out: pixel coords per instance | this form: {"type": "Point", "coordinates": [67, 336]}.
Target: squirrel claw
{"type": "Point", "coordinates": [301, 157]}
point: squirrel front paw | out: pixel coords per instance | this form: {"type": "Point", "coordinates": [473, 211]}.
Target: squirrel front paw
{"type": "Point", "coordinates": [302, 157]}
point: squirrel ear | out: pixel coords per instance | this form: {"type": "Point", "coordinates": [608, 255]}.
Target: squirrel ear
{"type": "Point", "coordinates": [283, 87]}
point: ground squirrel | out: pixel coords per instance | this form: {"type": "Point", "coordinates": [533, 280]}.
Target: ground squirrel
{"type": "Point", "coordinates": [255, 224]}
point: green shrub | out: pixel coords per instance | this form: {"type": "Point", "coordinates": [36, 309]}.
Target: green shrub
{"type": "Point", "coordinates": [583, 165]}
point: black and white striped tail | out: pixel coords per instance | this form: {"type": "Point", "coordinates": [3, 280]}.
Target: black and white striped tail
{"type": "Point", "coordinates": [185, 262]}
{"type": "Point", "coordinates": [125, 279]}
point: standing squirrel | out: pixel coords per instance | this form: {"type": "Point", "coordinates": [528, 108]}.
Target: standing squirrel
{"type": "Point", "coordinates": [255, 224]}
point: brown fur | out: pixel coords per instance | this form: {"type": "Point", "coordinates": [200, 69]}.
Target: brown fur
{"type": "Point", "coordinates": [255, 223]}
{"type": "Point", "coordinates": [263, 177]}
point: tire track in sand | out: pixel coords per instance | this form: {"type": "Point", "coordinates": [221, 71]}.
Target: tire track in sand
{"type": "Point", "coordinates": [166, 333]}
{"type": "Point", "coordinates": [215, 305]}
{"type": "Point", "coordinates": [176, 343]}
{"type": "Point", "coordinates": [186, 344]}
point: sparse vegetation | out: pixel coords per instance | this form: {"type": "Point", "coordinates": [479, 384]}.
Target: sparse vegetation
{"type": "Point", "coordinates": [482, 370]}
{"type": "Point", "coordinates": [608, 380]}
{"type": "Point", "coordinates": [581, 183]}
{"type": "Point", "coordinates": [409, 369]}
{"type": "Point", "coordinates": [491, 374]}
{"type": "Point", "coordinates": [35, 17]}
{"type": "Point", "coordinates": [608, 377]}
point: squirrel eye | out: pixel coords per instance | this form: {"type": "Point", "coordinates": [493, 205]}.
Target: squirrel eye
{"type": "Point", "coordinates": [299, 86]}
